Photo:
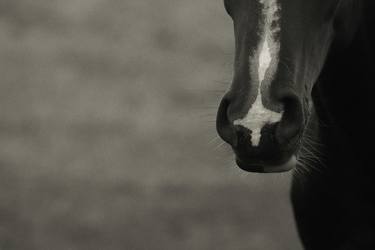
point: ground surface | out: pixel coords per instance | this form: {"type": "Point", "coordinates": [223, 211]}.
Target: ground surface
{"type": "Point", "coordinates": [106, 128]}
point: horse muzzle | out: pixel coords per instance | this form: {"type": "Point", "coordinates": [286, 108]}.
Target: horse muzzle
{"type": "Point", "coordinates": [275, 151]}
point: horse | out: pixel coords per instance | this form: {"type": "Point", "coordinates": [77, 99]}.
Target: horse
{"type": "Point", "coordinates": [302, 100]}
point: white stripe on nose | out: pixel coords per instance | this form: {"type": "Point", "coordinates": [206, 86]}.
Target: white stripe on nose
{"type": "Point", "coordinates": [266, 60]}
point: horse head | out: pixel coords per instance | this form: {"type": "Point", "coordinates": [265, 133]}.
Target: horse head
{"type": "Point", "coordinates": [280, 49]}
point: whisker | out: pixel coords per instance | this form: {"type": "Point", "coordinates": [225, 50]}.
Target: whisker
{"type": "Point", "coordinates": [219, 146]}
{"type": "Point", "coordinates": [213, 140]}
{"type": "Point", "coordinates": [207, 116]}
{"type": "Point", "coordinates": [221, 82]}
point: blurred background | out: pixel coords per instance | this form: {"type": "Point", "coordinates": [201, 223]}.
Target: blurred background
{"type": "Point", "coordinates": [107, 133]}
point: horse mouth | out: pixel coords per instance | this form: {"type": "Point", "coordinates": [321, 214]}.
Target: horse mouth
{"type": "Point", "coordinates": [262, 167]}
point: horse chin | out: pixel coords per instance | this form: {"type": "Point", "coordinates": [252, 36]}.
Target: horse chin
{"type": "Point", "coordinates": [268, 168]}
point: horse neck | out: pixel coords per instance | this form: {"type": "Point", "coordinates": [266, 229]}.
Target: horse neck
{"type": "Point", "coordinates": [344, 96]}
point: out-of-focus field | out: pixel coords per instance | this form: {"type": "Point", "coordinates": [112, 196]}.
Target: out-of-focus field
{"type": "Point", "coordinates": [106, 125]}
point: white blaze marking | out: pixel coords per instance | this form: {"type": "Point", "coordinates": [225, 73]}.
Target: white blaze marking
{"type": "Point", "coordinates": [266, 59]}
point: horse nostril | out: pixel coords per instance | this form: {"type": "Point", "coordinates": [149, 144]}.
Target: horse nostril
{"type": "Point", "coordinates": [223, 125]}
{"type": "Point", "coordinates": [291, 123]}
